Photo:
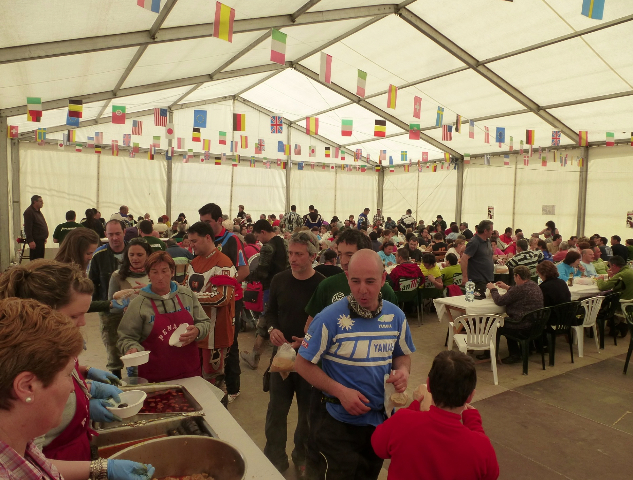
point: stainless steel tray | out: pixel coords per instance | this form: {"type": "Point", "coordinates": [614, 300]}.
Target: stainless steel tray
{"type": "Point", "coordinates": [151, 388]}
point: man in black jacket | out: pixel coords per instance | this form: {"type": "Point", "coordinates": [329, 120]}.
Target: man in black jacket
{"type": "Point", "coordinates": [35, 228]}
{"type": "Point", "coordinates": [273, 258]}
{"type": "Point", "coordinates": [105, 261]}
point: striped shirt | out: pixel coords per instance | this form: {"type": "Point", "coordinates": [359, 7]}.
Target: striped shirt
{"type": "Point", "coordinates": [357, 353]}
{"type": "Point", "coordinates": [33, 466]}
{"type": "Point", "coordinates": [528, 258]}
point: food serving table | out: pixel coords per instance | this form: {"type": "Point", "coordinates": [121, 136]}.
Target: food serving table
{"type": "Point", "coordinates": [212, 417]}
{"type": "Point", "coordinates": [476, 307]}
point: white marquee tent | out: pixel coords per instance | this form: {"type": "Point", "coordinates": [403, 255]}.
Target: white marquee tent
{"type": "Point", "coordinates": [525, 65]}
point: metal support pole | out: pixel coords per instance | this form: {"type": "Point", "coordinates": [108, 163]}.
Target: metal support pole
{"type": "Point", "coordinates": [335, 188]}
{"type": "Point", "coordinates": [459, 192]}
{"type": "Point", "coordinates": [168, 187]}
{"type": "Point", "coordinates": [514, 191]}
{"type": "Point", "coordinates": [417, 197]}
{"type": "Point", "coordinates": [15, 188]}
{"type": "Point", "coordinates": [582, 192]}
{"type": "Point", "coordinates": [381, 187]}
{"type": "Point", "coordinates": [288, 167]}
{"type": "Point", "coordinates": [232, 168]}
{"type": "Point", "coordinates": [5, 233]}
{"type": "Point", "coordinates": [98, 179]}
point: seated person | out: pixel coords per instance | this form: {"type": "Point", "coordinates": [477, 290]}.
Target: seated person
{"type": "Point", "coordinates": [329, 266]}
{"type": "Point", "coordinates": [176, 251]}
{"type": "Point", "coordinates": [562, 251]}
{"type": "Point", "coordinates": [438, 244]}
{"type": "Point", "coordinates": [431, 271]}
{"type": "Point", "coordinates": [629, 247]}
{"type": "Point", "coordinates": [406, 269]}
{"type": "Point", "coordinates": [525, 257]}
{"type": "Point", "coordinates": [424, 239]}
{"type": "Point", "coordinates": [449, 272]}
{"type": "Point", "coordinates": [542, 246]}
{"type": "Point", "coordinates": [450, 423]}
{"type": "Point", "coordinates": [511, 249]}
{"type": "Point", "coordinates": [506, 236]}
{"type": "Point", "coordinates": [586, 262]}
{"type": "Point", "coordinates": [497, 253]}
{"type": "Point", "coordinates": [524, 297]}
{"type": "Point", "coordinates": [555, 290]}
{"type": "Point", "coordinates": [459, 245]}
{"type": "Point", "coordinates": [620, 278]}
{"type": "Point", "coordinates": [375, 243]}
{"type": "Point", "coordinates": [600, 265]}
{"type": "Point", "coordinates": [570, 266]}
{"type": "Point", "coordinates": [454, 232]}
{"type": "Point", "coordinates": [386, 254]}
{"type": "Point", "coordinates": [412, 243]}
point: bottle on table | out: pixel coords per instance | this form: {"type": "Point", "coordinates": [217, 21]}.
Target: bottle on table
{"type": "Point", "coordinates": [470, 291]}
{"type": "Point", "coordinates": [570, 282]}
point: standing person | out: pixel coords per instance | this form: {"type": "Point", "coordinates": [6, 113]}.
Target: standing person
{"type": "Point", "coordinates": [63, 229]}
{"type": "Point", "coordinates": [122, 216]}
{"type": "Point", "coordinates": [241, 213]}
{"type": "Point", "coordinates": [329, 266]}
{"type": "Point", "coordinates": [406, 221]}
{"type": "Point", "coordinates": [379, 219]}
{"type": "Point", "coordinates": [106, 260]}
{"type": "Point", "coordinates": [290, 292]}
{"type": "Point", "coordinates": [151, 318]}
{"type": "Point", "coordinates": [161, 228]}
{"type": "Point", "coordinates": [146, 229]}
{"type": "Point", "coordinates": [211, 275]}
{"type": "Point", "coordinates": [440, 221]}
{"type": "Point", "coordinates": [363, 219]}
{"type": "Point", "coordinates": [35, 228]}
{"type": "Point", "coordinates": [313, 219]}
{"type": "Point", "coordinates": [232, 247]}
{"type": "Point", "coordinates": [352, 376]}
{"type": "Point", "coordinates": [250, 248]}
{"type": "Point", "coordinates": [92, 222]}
{"type": "Point", "coordinates": [273, 258]}
{"type": "Point", "coordinates": [476, 261]}
{"type": "Point", "coordinates": [291, 220]}
{"type": "Point", "coordinates": [619, 249]}
{"type": "Point", "coordinates": [78, 247]}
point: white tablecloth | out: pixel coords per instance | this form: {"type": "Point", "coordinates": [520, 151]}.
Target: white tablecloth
{"type": "Point", "coordinates": [476, 307]}
{"type": "Point", "coordinates": [583, 291]}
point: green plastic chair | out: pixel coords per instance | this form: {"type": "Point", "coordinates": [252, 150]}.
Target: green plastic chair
{"type": "Point", "coordinates": [562, 318]}
{"type": "Point", "coordinates": [628, 314]}
{"type": "Point", "coordinates": [410, 296]}
{"type": "Point", "coordinates": [537, 322]}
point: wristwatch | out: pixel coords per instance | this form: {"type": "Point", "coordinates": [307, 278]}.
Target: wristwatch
{"type": "Point", "coordinates": [270, 330]}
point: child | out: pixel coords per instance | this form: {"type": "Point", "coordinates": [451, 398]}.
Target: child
{"type": "Point", "coordinates": [448, 273]}
{"type": "Point", "coordinates": [423, 444]}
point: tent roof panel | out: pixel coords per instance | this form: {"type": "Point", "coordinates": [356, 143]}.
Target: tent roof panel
{"type": "Point", "coordinates": [391, 60]}
{"type": "Point", "coordinates": [554, 73]}
{"type": "Point", "coordinates": [570, 11]}
{"type": "Point", "coordinates": [334, 4]}
{"type": "Point", "coordinates": [52, 118]}
{"type": "Point", "coordinates": [620, 59]}
{"type": "Point", "coordinates": [193, 12]}
{"type": "Point", "coordinates": [162, 98]}
{"type": "Point", "coordinates": [228, 86]}
{"type": "Point", "coordinates": [62, 77]}
{"type": "Point", "coordinates": [293, 95]}
{"type": "Point", "coordinates": [29, 22]}
{"type": "Point", "coordinates": [187, 58]}
{"type": "Point", "coordinates": [599, 117]}
{"type": "Point", "coordinates": [300, 40]}
{"type": "Point", "coordinates": [395, 146]}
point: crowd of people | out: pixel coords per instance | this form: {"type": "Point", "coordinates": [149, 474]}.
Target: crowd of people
{"type": "Point", "coordinates": [328, 291]}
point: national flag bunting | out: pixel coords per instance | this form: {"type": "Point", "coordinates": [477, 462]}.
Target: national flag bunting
{"type": "Point", "coordinates": [543, 160]}
{"type": "Point", "coordinates": [325, 72]}
{"type": "Point", "coordinates": [78, 147]}
{"type": "Point", "coordinates": [506, 160]}
{"type": "Point", "coordinates": [170, 133]}
{"type": "Point", "coordinates": [218, 160]}
{"type": "Point", "coordinates": [12, 131]}
{"type": "Point", "coordinates": [312, 125]}
{"type": "Point", "coordinates": [458, 124]}
{"type": "Point", "coordinates": [115, 148]}
{"type": "Point", "coordinates": [471, 129]}
{"type": "Point", "coordinates": [262, 144]}
{"type": "Point", "coordinates": [403, 156]}
{"type": "Point", "coordinates": [346, 127]}
{"type": "Point", "coordinates": [223, 23]}
{"type": "Point", "coordinates": [447, 133]}
{"type": "Point", "coordinates": [41, 135]}
{"type": "Point", "coordinates": [511, 144]}
{"type": "Point", "coordinates": [312, 151]}
{"type": "Point", "coordinates": [252, 162]}
{"type": "Point", "coordinates": [487, 159]}
{"type": "Point", "coordinates": [287, 149]}
{"type": "Point", "coordinates": [297, 150]}
{"type": "Point", "coordinates": [434, 168]}
{"type": "Point", "coordinates": [243, 142]}
{"type": "Point", "coordinates": [135, 147]}
{"type": "Point", "coordinates": [278, 47]}
{"type": "Point", "coordinates": [593, 9]}
{"type": "Point", "coordinates": [361, 83]}
{"type": "Point", "coordinates": [99, 138]}
{"type": "Point", "coordinates": [90, 142]}
{"type": "Point", "coordinates": [71, 121]}
{"type": "Point", "coordinates": [377, 168]}
{"type": "Point", "coordinates": [425, 157]}
{"type": "Point", "coordinates": [380, 128]}
{"type": "Point", "coordinates": [137, 127]}
{"type": "Point", "coordinates": [61, 143]}
{"type": "Point", "coordinates": [414, 131]}
{"type": "Point", "coordinates": [195, 137]}
{"type": "Point", "coordinates": [382, 156]}
{"type": "Point", "coordinates": [199, 118]}
{"type": "Point", "coordinates": [118, 115]}
{"type": "Point", "coordinates": [169, 153]}
{"type": "Point", "coordinates": [34, 109]}
{"type": "Point", "coordinates": [206, 145]}
{"type": "Point", "coordinates": [439, 119]}
{"type": "Point", "coordinates": [583, 138]}
{"type": "Point", "coordinates": [500, 135]}
{"type": "Point", "coordinates": [392, 93]}
{"type": "Point", "coordinates": [160, 117]}
{"type": "Point", "coordinates": [555, 137]}
{"type": "Point", "coordinates": [280, 147]}
{"type": "Point", "coordinates": [300, 166]}
{"type": "Point", "coordinates": [417, 106]}
{"type": "Point", "coordinates": [236, 160]}
{"type": "Point", "coordinates": [521, 147]}
{"type": "Point", "coordinates": [75, 108]}
{"type": "Point", "coordinates": [447, 157]}
{"type": "Point", "coordinates": [239, 122]}
{"type": "Point", "coordinates": [180, 143]}
{"type": "Point", "coordinates": [610, 139]}
{"type": "Point", "coordinates": [153, 5]}
{"type": "Point", "coordinates": [150, 153]}
{"type": "Point", "coordinates": [336, 152]}
{"type": "Point", "coordinates": [358, 154]}
{"type": "Point", "coordinates": [327, 152]}
{"type": "Point", "coordinates": [486, 135]}
{"type": "Point", "coordinates": [406, 167]}
{"type": "Point", "coordinates": [222, 138]}
{"type": "Point", "coordinates": [529, 137]}
{"type": "Point", "coordinates": [276, 124]}
{"type": "Point", "coordinates": [466, 158]}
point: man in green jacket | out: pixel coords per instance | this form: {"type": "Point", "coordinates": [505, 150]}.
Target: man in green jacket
{"type": "Point", "coordinates": [621, 281]}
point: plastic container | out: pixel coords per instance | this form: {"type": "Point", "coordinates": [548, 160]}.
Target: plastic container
{"type": "Point", "coordinates": [135, 359]}
{"type": "Point", "coordinates": [174, 340]}
{"type": "Point", "coordinates": [470, 291]}
{"type": "Point", "coordinates": [134, 400]}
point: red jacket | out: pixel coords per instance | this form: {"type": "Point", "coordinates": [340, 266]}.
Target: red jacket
{"type": "Point", "coordinates": [507, 239]}
{"type": "Point", "coordinates": [405, 270]}
{"type": "Point", "coordinates": [435, 445]}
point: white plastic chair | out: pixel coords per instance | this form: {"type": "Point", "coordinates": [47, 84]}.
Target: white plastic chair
{"type": "Point", "coordinates": [592, 307]}
{"type": "Point", "coordinates": [480, 334]}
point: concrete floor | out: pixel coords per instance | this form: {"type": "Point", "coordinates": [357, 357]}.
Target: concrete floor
{"type": "Point", "coordinates": [572, 421]}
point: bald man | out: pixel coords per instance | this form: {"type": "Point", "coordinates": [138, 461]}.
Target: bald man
{"type": "Point", "coordinates": [359, 340]}
{"type": "Point", "coordinates": [586, 259]}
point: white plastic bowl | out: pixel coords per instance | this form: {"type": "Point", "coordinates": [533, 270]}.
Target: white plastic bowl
{"type": "Point", "coordinates": [174, 340]}
{"type": "Point", "coordinates": [135, 359]}
{"type": "Point", "coordinates": [134, 400]}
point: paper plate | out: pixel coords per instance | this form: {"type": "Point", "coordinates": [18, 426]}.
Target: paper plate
{"type": "Point", "coordinates": [135, 359]}
{"type": "Point", "coordinates": [174, 340]}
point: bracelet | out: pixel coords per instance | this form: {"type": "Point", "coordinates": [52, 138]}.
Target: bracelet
{"type": "Point", "coordinates": [99, 469]}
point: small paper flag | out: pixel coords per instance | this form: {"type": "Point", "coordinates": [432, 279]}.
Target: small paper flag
{"type": "Point", "coordinates": [34, 109]}
{"type": "Point", "coordinates": [118, 115]}
{"type": "Point", "coordinates": [180, 143]}
{"type": "Point", "coordinates": [239, 121]}
{"type": "Point", "coordinates": [458, 124]}
{"type": "Point", "coordinates": [75, 108]}
{"type": "Point", "coordinates": [486, 135]}
{"type": "Point", "coordinates": [312, 125]}
{"type": "Point", "coordinates": [325, 72]}
{"type": "Point", "coordinates": [195, 137]}
{"type": "Point", "coordinates": [223, 23]}
{"type": "Point", "coordinates": [135, 148]}
{"type": "Point", "coordinates": [439, 119]}
{"type": "Point", "coordinates": [137, 127]}
{"type": "Point", "coordinates": [298, 149]}
{"type": "Point", "coordinates": [278, 47]}
{"type": "Point", "coordinates": [506, 160]}
{"type": "Point", "coordinates": [529, 137]}
{"type": "Point", "coordinates": [471, 129]}
{"type": "Point", "coordinates": [327, 152]}
{"type": "Point", "coordinates": [593, 9]}
{"type": "Point", "coordinates": [417, 106]}
{"type": "Point", "coordinates": [222, 138]}
{"type": "Point", "coordinates": [403, 156]}
{"type": "Point", "coordinates": [276, 124]}
{"type": "Point", "coordinates": [610, 139]}
{"type": "Point", "coordinates": [466, 158]}
{"type": "Point", "coordinates": [243, 142]}
{"type": "Point", "coordinates": [200, 118]}
{"type": "Point", "coordinates": [153, 5]}
{"type": "Point", "coordinates": [361, 83]}
{"type": "Point", "coordinates": [583, 138]}
{"type": "Point", "coordinates": [170, 133]}
{"type": "Point", "coordinates": [414, 131]}
{"type": "Point", "coordinates": [206, 144]}
{"type": "Point", "coordinates": [12, 131]}
{"type": "Point", "coordinates": [392, 93]}
{"type": "Point", "coordinates": [380, 128]}
{"type": "Point", "coordinates": [555, 138]}
{"type": "Point", "coordinates": [500, 135]}
{"type": "Point", "coordinates": [346, 127]}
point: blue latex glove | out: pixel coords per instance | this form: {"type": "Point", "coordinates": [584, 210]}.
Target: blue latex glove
{"type": "Point", "coordinates": [99, 412]}
{"type": "Point", "coordinates": [104, 391]}
{"type": "Point", "coordinates": [120, 304]}
{"type": "Point", "coordinates": [128, 470]}
{"type": "Point", "coordinates": [103, 376]}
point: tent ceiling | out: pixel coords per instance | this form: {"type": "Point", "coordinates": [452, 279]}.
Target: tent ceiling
{"type": "Point", "coordinates": [430, 44]}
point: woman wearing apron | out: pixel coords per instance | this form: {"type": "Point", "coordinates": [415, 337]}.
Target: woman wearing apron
{"type": "Point", "coordinates": [152, 317]}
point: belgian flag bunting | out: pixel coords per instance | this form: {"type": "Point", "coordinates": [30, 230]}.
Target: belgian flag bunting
{"type": "Point", "coordinates": [380, 128]}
